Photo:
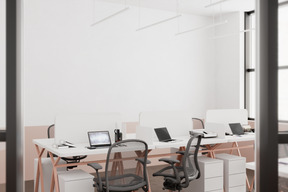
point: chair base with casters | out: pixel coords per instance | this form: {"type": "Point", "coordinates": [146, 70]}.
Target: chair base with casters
{"type": "Point", "coordinates": [179, 173]}
{"type": "Point", "coordinates": [125, 171]}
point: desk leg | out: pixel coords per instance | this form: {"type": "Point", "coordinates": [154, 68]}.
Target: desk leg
{"type": "Point", "coordinates": [120, 165]}
{"type": "Point", "coordinates": [52, 182]}
{"type": "Point", "coordinates": [231, 150]}
{"type": "Point", "coordinates": [139, 167]}
{"type": "Point", "coordinates": [117, 165]}
{"type": "Point", "coordinates": [238, 150]}
{"type": "Point", "coordinates": [179, 157]}
{"type": "Point", "coordinates": [252, 184]}
{"type": "Point", "coordinates": [212, 150]}
{"type": "Point", "coordinates": [54, 174]}
{"type": "Point", "coordinates": [211, 153]}
{"type": "Point", "coordinates": [39, 170]}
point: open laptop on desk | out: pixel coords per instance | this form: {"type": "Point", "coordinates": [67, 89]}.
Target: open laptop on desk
{"type": "Point", "coordinates": [236, 128]}
{"type": "Point", "coordinates": [163, 134]}
{"type": "Point", "coordinates": [99, 139]}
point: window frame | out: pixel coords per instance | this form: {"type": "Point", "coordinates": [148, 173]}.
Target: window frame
{"type": "Point", "coordinates": [247, 64]}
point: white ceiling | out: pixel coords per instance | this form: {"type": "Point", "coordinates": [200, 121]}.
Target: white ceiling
{"type": "Point", "coordinates": [194, 6]}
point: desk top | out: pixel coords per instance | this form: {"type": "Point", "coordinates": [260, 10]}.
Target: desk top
{"type": "Point", "coordinates": [182, 142]}
{"type": "Point", "coordinates": [79, 149]}
{"type": "Point", "coordinates": [239, 138]}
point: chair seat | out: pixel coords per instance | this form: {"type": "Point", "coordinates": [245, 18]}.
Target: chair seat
{"type": "Point", "coordinates": [125, 169]}
{"type": "Point", "coordinates": [126, 182]}
{"type": "Point", "coordinates": [127, 187]}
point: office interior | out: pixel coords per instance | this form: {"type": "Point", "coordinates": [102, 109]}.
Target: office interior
{"type": "Point", "coordinates": [80, 57]}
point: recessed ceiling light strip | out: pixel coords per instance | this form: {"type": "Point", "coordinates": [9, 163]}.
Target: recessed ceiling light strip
{"type": "Point", "coordinates": [157, 23]}
{"type": "Point", "coordinates": [203, 27]}
{"type": "Point", "coordinates": [232, 34]}
{"type": "Point", "coordinates": [139, 13]}
{"type": "Point", "coordinates": [110, 16]}
{"type": "Point", "coordinates": [178, 12]}
{"type": "Point", "coordinates": [216, 3]}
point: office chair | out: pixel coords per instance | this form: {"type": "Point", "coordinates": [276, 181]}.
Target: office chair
{"type": "Point", "coordinates": [178, 177]}
{"type": "Point", "coordinates": [74, 159]}
{"type": "Point", "coordinates": [129, 157]}
{"type": "Point", "coordinates": [201, 121]}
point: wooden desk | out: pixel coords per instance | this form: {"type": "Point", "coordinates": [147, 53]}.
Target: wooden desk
{"type": "Point", "coordinates": [80, 149]}
{"type": "Point", "coordinates": [212, 145]}
{"type": "Point", "coordinates": [41, 145]}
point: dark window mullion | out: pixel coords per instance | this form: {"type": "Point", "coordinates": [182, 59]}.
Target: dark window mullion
{"type": "Point", "coordinates": [250, 70]}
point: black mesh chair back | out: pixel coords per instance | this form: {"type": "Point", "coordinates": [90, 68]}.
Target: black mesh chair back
{"type": "Point", "coordinates": [179, 173]}
{"type": "Point", "coordinates": [189, 163]}
{"type": "Point", "coordinates": [51, 131]}
{"type": "Point", "coordinates": [125, 168]}
{"type": "Point", "coordinates": [69, 160]}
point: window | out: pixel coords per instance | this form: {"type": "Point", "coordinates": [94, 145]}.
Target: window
{"type": "Point", "coordinates": [282, 61]}
{"type": "Point", "coordinates": [250, 62]}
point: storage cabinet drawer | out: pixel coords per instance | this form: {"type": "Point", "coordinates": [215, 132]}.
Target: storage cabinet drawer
{"type": "Point", "coordinates": [237, 166]}
{"type": "Point", "coordinates": [215, 183]}
{"type": "Point", "coordinates": [238, 189]}
{"type": "Point", "coordinates": [214, 170]}
{"type": "Point", "coordinates": [220, 190]}
{"type": "Point", "coordinates": [236, 180]}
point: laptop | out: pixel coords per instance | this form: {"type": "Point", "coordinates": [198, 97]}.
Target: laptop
{"type": "Point", "coordinates": [99, 139]}
{"type": "Point", "coordinates": [236, 128]}
{"type": "Point", "coordinates": [163, 134]}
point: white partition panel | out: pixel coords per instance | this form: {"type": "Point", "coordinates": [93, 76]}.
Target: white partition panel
{"type": "Point", "coordinates": [227, 116]}
{"type": "Point", "coordinates": [74, 128]}
{"type": "Point", "coordinates": [178, 123]}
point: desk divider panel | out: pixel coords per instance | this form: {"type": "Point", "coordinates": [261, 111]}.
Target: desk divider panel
{"type": "Point", "coordinates": [178, 123]}
{"type": "Point", "coordinates": [74, 127]}
{"type": "Point", "coordinates": [146, 134]}
{"type": "Point", "coordinates": [218, 128]}
{"type": "Point", "coordinates": [227, 116]}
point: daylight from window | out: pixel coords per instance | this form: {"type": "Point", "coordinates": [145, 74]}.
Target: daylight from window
{"type": "Point", "coordinates": [282, 61]}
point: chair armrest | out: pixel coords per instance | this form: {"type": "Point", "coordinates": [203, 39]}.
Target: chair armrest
{"type": "Point", "coordinates": [95, 166]}
{"type": "Point", "coordinates": [180, 152]}
{"type": "Point", "coordinates": [183, 152]}
{"type": "Point", "coordinates": [170, 161]}
{"type": "Point", "coordinates": [141, 160]}
{"type": "Point", "coordinates": [97, 179]}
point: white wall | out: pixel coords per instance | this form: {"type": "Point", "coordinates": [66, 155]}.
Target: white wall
{"type": "Point", "coordinates": [230, 62]}
{"type": "Point", "coordinates": [73, 67]}
{"type": "Point", "coordinates": [2, 62]}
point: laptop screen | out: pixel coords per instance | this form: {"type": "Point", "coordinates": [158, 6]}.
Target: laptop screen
{"type": "Point", "coordinates": [162, 133]}
{"type": "Point", "coordinates": [99, 138]}
{"type": "Point", "coordinates": [236, 128]}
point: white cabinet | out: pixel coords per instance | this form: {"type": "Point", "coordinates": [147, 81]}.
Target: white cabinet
{"type": "Point", "coordinates": [75, 181]}
{"type": "Point", "coordinates": [47, 172]}
{"type": "Point", "coordinates": [234, 172]}
{"type": "Point", "coordinates": [211, 179]}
